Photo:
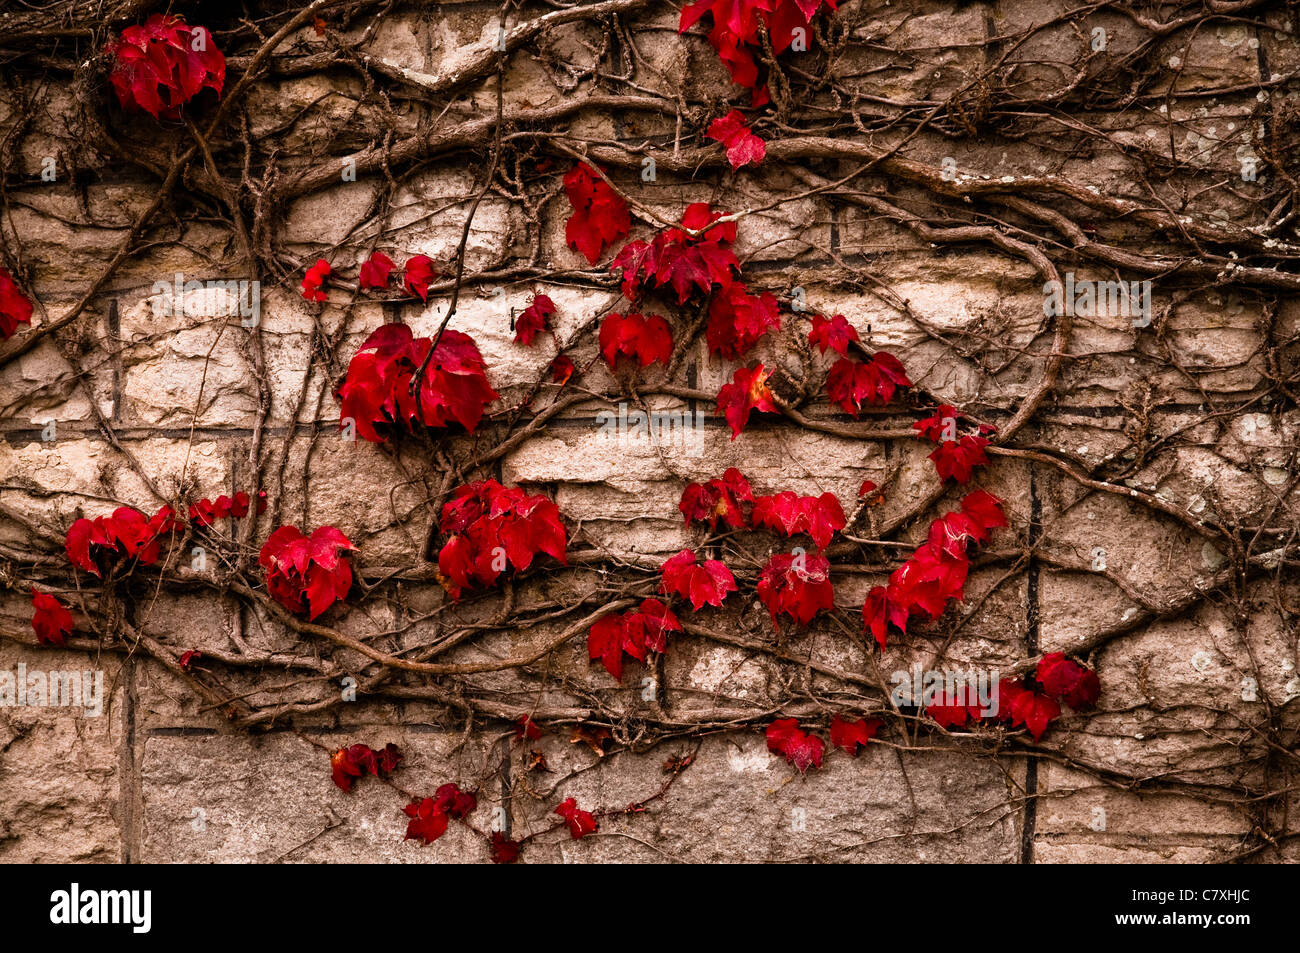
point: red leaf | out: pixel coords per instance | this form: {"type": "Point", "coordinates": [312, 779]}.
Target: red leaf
{"type": "Point", "coordinates": [525, 727]}
{"type": "Point", "coordinates": [376, 394]}
{"type": "Point", "coordinates": [852, 735]}
{"type": "Point", "coordinates": [416, 275]}
{"type": "Point", "coordinates": [306, 574]}
{"type": "Point", "coordinates": [93, 545]}
{"type": "Point", "coordinates": [882, 609]}
{"type": "Point", "coordinates": [957, 460]}
{"type": "Point", "coordinates": [561, 370]}
{"type": "Point", "coordinates": [454, 802]}
{"type": "Point", "coordinates": [798, 585]}
{"type": "Point", "coordinates": [785, 512]}
{"type": "Point", "coordinates": [314, 281]}
{"type": "Point", "coordinates": [747, 392]}
{"type": "Point", "coordinates": [51, 621]}
{"type": "Point", "coordinates": [866, 489]}
{"type": "Point", "coordinates": [1066, 679]}
{"type": "Point", "coordinates": [737, 320]}
{"type": "Point", "coordinates": [645, 339]}
{"type": "Point", "coordinates": [504, 850]}
{"type": "Point", "coordinates": [534, 320]}
{"type": "Point", "coordinates": [708, 584]}
{"type": "Point", "coordinates": [984, 511]}
{"type": "Point", "coordinates": [785, 737]}
{"type": "Point", "coordinates": [717, 499]}
{"type": "Point", "coordinates": [162, 65]}
{"type": "Point", "coordinates": [600, 216]}
{"type": "Point", "coordinates": [188, 658]}
{"type": "Point", "coordinates": [945, 419]}
{"type": "Point", "coordinates": [1034, 711]}
{"type": "Point", "coordinates": [676, 259]}
{"type": "Point", "coordinates": [632, 633]}
{"type": "Point", "coordinates": [15, 308]}
{"type": "Point", "coordinates": [375, 271]}
{"type": "Point", "coordinates": [852, 383]}
{"type": "Point", "coordinates": [581, 823]}
{"type": "Point", "coordinates": [348, 764]}
{"type": "Point", "coordinates": [742, 145]}
{"type": "Point", "coordinates": [834, 333]}
{"type": "Point", "coordinates": [427, 822]}
{"type": "Point", "coordinates": [492, 527]}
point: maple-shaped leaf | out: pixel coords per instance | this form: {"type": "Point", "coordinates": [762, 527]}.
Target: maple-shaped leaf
{"type": "Point", "coordinates": [15, 307]}
{"type": "Point", "coordinates": [454, 802]}
{"type": "Point", "coordinates": [956, 710]}
{"type": "Point", "coordinates": [719, 498]}
{"type": "Point", "coordinates": [801, 749]}
{"type": "Point", "coordinates": [882, 609]}
{"type": "Point", "coordinates": [929, 579]}
{"type": "Point", "coordinates": [984, 511]}
{"type": "Point", "coordinates": [632, 633]}
{"type": "Point", "coordinates": [600, 216]}
{"type": "Point", "coordinates": [375, 271]}
{"type": "Point", "coordinates": [313, 281]}
{"type": "Point", "coordinates": [852, 383]}
{"type": "Point", "coordinates": [942, 425]}
{"type": "Point", "coordinates": [418, 272]}
{"type": "Point", "coordinates": [737, 320]}
{"type": "Point", "coordinates": [581, 823]}
{"type": "Point", "coordinates": [163, 64]}
{"type": "Point", "coordinates": [307, 573]}
{"type": "Point", "coordinates": [797, 585]}
{"type": "Point", "coordinates": [376, 394]}
{"type": "Point", "coordinates": [853, 735]}
{"type": "Point", "coordinates": [51, 621]}
{"type": "Point", "coordinates": [701, 585]}
{"type": "Point", "coordinates": [743, 147]}
{"type": "Point", "coordinates": [534, 319]}
{"type": "Point", "coordinates": [788, 513]}
{"type": "Point", "coordinates": [348, 764]}
{"type": "Point", "coordinates": [1034, 711]}
{"type": "Point", "coordinates": [834, 333]}
{"type": "Point", "coordinates": [689, 262]}
{"type": "Point", "coordinates": [427, 821]}
{"type": "Point", "coordinates": [646, 339]}
{"type": "Point", "coordinates": [1067, 680]}
{"type": "Point", "coordinates": [957, 459]}
{"type": "Point", "coordinates": [94, 545]}
{"type": "Point", "coordinates": [747, 392]}
{"type": "Point", "coordinates": [504, 850]}
{"type": "Point", "coordinates": [561, 370]}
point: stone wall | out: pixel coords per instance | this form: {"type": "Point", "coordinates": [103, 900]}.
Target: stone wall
{"type": "Point", "coordinates": [931, 166]}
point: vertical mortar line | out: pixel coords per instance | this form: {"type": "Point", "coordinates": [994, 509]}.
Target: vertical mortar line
{"type": "Point", "coordinates": [1033, 617]}
{"type": "Point", "coordinates": [506, 802]}
{"type": "Point", "coordinates": [113, 325]}
{"type": "Point", "coordinates": [130, 806]}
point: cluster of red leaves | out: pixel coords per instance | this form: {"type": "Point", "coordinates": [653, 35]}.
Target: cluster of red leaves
{"type": "Point", "coordinates": [954, 459]}
{"type": "Point", "coordinates": [738, 319]}
{"type": "Point", "coordinates": [742, 145]}
{"type": "Point", "coordinates": [788, 513]}
{"type": "Point", "coordinates": [735, 32]}
{"type": "Point", "coordinates": [376, 393]}
{"type": "Point", "coordinates": [720, 498]}
{"type": "Point", "coordinates": [747, 392]}
{"type": "Point", "coordinates": [853, 383]}
{"type": "Point", "coordinates": [375, 272]}
{"type": "Point", "coordinates": [15, 308]}
{"type": "Point", "coordinates": [707, 584]}
{"type": "Point", "coordinates": [490, 525]}
{"type": "Point", "coordinates": [646, 340]}
{"type": "Point", "coordinates": [797, 584]}
{"type": "Point", "coordinates": [631, 633]}
{"type": "Point", "coordinates": [205, 511]}
{"type": "Point", "coordinates": [160, 66]}
{"type": "Point", "coordinates": [581, 823]}
{"type": "Point", "coordinates": [94, 544]}
{"type": "Point", "coordinates": [600, 216]}
{"type": "Point", "coordinates": [804, 749]}
{"type": "Point", "coordinates": [534, 320]}
{"type": "Point", "coordinates": [673, 258]}
{"type": "Point", "coordinates": [937, 571]}
{"type": "Point", "coordinates": [301, 568]}
{"type": "Point", "coordinates": [428, 816]}
{"type": "Point", "coordinates": [834, 333]}
{"type": "Point", "coordinates": [1022, 702]}
{"type": "Point", "coordinates": [51, 620]}
{"type": "Point", "coordinates": [348, 764]}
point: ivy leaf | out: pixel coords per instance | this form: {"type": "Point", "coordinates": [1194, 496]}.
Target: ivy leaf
{"type": "Point", "coordinates": [581, 823]}
{"type": "Point", "coordinates": [492, 527]}
{"type": "Point", "coordinates": [15, 308]}
{"type": "Point", "coordinates": [701, 585]}
{"type": "Point", "coordinates": [427, 821]}
{"type": "Point", "coordinates": [313, 282]}
{"type": "Point", "coordinates": [417, 274]}
{"type": "Point", "coordinates": [561, 369]}
{"type": "Point", "coordinates": [738, 320]}
{"type": "Point", "coordinates": [1066, 679]}
{"type": "Point", "coordinates": [645, 339]}
{"type": "Point", "coordinates": [51, 621]}
{"type": "Point", "coordinates": [801, 749]}
{"type": "Point", "coordinates": [884, 608]}
{"type": "Point", "coordinates": [534, 319]}
{"type": "Point", "coordinates": [786, 512]}
{"type": "Point", "coordinates": [1034, 711]}
{"type": "Point", "coordinates": [852, 383]}
{"type": "Point", "coordinates": [957, 459]}
{"type": "Point", "coordinates": [796, 585]}
{"type": "Point", "coordinates": [375, 271]}
{"type": "Point", "coordinates": [600, 216]}
{"type": "Point", "coordinates": [747, 392]}
{"type": "Point", "coordinates": [717, 499]}
{"type": "Point", "coordinates": [160, 66]}
{"type": "Point", "coordinates": [743, 147]}
{"type": "Point", "coordinates": [504, 850]}
{"type": "Point", "coordinates": [834, 333]}
{"type": "Point", "coordinates": [306, 573]}
{"type": "Point", "coordinates": [853, 735]}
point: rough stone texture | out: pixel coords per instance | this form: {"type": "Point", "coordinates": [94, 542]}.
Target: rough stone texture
{"type": "Point", "coordinates": [161, 775]}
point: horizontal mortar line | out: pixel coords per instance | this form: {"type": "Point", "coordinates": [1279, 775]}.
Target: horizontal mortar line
{"type": "Point", "coordinates": [14, 434]}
